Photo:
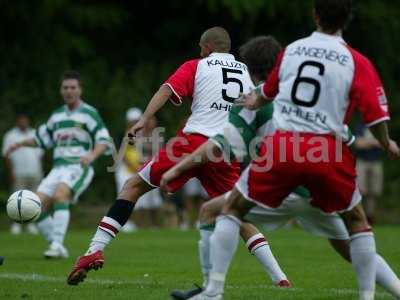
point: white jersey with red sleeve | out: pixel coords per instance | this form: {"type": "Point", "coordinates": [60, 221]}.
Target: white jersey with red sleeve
{"type": "Point", "coordinates": [213, 83]}
{"type": "Point", "coordinates": [317, 83]}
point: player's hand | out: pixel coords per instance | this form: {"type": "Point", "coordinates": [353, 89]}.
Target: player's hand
{"type": "Point", "coordinates": [393, 150]}
{"type": "Point", "coordinates": [13, 148]}
{"type": "Point", "coordinates": [134, 130]}
{"type": "Point", "coordinates": [251, 101]}
{"type": "Point", "coordinates": [87, 160]}
{"type": "Point", "coordinates": [167, 177]}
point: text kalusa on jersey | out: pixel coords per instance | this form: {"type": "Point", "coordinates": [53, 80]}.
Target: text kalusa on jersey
{"type": "Point", "coordinates": [224, 63]}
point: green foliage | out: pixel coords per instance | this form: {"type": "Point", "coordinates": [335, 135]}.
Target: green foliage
{"type": "Point", "coordinates": [126, 49]}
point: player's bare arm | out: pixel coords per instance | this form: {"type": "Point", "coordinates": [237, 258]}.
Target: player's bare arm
{"type": "Point", "coordinates": [381, 133]}
{"type": "Point", "coordinates": [98, 150]}
{"type": "Point", "coordinates": [158, 101]}
{"type": "Point", "coordinates": [254, 100]}
{"type": "Point", "coordinates": [196, 159]}
{"type": "Point", "coordinates": [25, 143]}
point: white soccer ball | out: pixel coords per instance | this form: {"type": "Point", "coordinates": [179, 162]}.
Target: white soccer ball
{"type": "Point", "coordinates": [24, 206]}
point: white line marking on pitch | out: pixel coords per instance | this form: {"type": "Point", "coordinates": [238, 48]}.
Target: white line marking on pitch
{"type": "Point", "coordinates": [43, 278]}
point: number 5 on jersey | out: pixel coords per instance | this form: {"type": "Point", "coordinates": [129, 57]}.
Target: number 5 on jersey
{"type": "Point", "coordinates": [227, 78]}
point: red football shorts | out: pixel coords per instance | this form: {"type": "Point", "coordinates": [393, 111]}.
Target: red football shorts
{"type": "Point", "coordinates": [322, 164]}
{"type": "Point", "coordinates": [216, 177]}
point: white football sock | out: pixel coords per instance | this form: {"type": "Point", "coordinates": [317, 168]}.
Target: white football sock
{"type": "Point", "coordinates": [363, 256]}
{"type": "Point", "coordinates": [106, 232]}
{"type": "Point", "coordinates": [260, 248]}
{"type": "Point", "coordinates": [204, 253]}
{"type": "Point", "coordinates": [224, 242]}
{"type": "Point", "coordinates": [60, 225]}
{"type": "Point", "coordinates": [386, 278]}
{"type": "Point", "coordinates": [45, 227]}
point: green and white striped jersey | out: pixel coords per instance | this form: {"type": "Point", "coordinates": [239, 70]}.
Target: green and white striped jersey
{"type": "Point", "coordinates": [245, 131]}
{"type": "Point", "coordinates": [72, 134]}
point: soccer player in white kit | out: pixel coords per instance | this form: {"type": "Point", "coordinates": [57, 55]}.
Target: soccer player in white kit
{"type": "Point", "coordinates": [213, 83]}
{"type": "Point", "coordinates": [243, 129]}
{"type": "Point", "coordinates": [316, 85]}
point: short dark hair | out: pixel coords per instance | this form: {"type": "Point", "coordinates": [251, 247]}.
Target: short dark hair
{"type": "Point", "coordinates": [333, 14]}
{"type": "Point", "coordinates": [71, 75]}
{"type": "Point", "coordinates": [259, 54]}
{"type": "Point", "coordinates": [218, 37]}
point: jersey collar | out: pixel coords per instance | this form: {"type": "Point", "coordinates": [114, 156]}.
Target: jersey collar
{"type": "Point", "coordinates": [324, 36]}
{"type": "Point", "coordinates": [75, 110]}
{"type": "Point", "coordinates": [225, 55]}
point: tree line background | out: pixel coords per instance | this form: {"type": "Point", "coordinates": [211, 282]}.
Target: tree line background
{"type": "Point", "coordinates": [126, 49]}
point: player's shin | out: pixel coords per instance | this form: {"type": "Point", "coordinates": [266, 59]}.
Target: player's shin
{"type": "Point", "coordinates": [45, 226]}
{"type": "Point", "coordinates": [206, 230]}
{"type": "Point", "coordinates": [61, 219]}
{"type": "Point", "coordinates": [259, 247]}
{"type": "Point", "coordinates": [363, 256]}
{"type": "Point", "coordinates": [224, 242]}
{"type": "Point", "coordinates": [111, 224]}
{"type": "Point", "coordinates": [386, 278]}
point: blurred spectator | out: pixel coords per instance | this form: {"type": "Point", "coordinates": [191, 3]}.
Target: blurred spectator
{"type": "Point", "coordinates": [146, 212]}
{"type": "Point", "coordinates": [369, 169]}
{"type": "Point", "coordinates": [24, 166]}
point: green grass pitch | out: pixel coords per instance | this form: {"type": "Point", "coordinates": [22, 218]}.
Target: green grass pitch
{"type": "Point", "coordinates": [149, 264]}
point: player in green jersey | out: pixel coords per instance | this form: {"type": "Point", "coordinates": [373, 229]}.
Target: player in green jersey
{"type": "Point", "coordinates": [77, 135]}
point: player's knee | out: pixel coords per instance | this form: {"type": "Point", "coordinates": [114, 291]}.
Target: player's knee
{"type": "Point", "coordinates": [61, 199]}
{"type": "Point", "coordinates": [356, 220]}
{"type": "Point", "coordinates": [62, 196]}
{"type": "Point", "coordinates": [47, 202]}
{"type": "Point", "coordinates": [207, 214]}
{"type": "Point", "coordinates": [133, 188]}
{"type": "Point", "coordinates": [236, 205]}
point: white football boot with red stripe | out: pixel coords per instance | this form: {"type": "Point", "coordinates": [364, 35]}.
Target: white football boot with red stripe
{"type": "Point", "coordinates": [85, 263]}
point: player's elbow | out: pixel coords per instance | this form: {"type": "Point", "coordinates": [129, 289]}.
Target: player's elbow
{"type": "Point", "coordinates": [165, 91]}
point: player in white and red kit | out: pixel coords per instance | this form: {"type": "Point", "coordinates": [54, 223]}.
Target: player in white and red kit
{"type": "Point", "coordinates": [316, 85]}
{"type": "Point", "coordinates": [213, 83]}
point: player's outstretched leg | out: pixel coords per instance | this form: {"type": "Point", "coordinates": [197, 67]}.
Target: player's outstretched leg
{"type": "Point", "coordinates": [45, 221]}
{"type": "Point", "coordinates": [62, 197]}
{"type": "Point", "coordinates": [259, 247]}
{"type": "Point", "coordinates": [362, 251]}
{"type": "Point", "coordinates": [108, 228]}
{"type": "Point", "coordinates": [385, 276]}
{"type": "Point", "coordinates": [252, 237]}
{"type": "Point", "coordinates": [255, 241]}
{"type": "Point", "coordinates": [224, 242]}
{"type": "Point", "coordinates": [208, 213]}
